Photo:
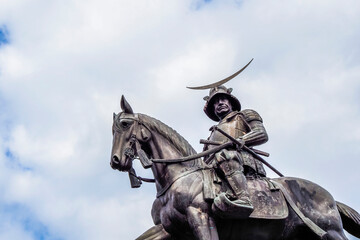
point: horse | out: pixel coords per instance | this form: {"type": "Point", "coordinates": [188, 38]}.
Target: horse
{"type": "Point", "coordinates": [180, 210]}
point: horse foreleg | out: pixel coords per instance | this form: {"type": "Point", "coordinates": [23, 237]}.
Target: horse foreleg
{"type": "Point", "coordinates": [202, 224]}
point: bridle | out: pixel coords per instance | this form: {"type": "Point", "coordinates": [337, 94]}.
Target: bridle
{"type": "Point", "coordinates": [129, 151]}
{"type": "Point", "coordinates": [133, 150]}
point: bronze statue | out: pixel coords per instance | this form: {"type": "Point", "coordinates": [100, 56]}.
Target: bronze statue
{"type": "Point", "coordinates": [233, 163]}
{"type": "Point", "coordinates": [223, 192]}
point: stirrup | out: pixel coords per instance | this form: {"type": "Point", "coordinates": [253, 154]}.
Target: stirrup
{"type": "Point", "coordinates": [236, 209]}
{"type": "Point", "coordinates": [242, 202]}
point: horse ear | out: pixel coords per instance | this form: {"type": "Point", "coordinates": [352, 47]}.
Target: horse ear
{"type": "Point", "coordinates": [125, 106]}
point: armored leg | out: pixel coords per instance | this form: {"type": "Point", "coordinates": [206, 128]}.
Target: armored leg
{"type": "Point", "coordinates": [237, 182]}
{"type": "Point", "coordinates": [238, 203]}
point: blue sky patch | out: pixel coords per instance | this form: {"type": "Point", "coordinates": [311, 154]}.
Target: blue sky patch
{"type": "Point", "coordinates": [21, 215]}
{"type": "Point", "coordinates": [13, 162]}
{"type": "Point", "coordinates": [6, 123]}
{"type": "Point", "coordinates": [5, 118]}
{"type": "Point", "coordinates": [9, 154]}
{"type": "Point", "coordinates": [4, 35]}
{"type": "Point", "coordinates": [197, 5]}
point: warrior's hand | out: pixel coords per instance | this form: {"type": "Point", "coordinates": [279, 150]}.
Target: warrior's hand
{"type": "Point", "coordinates": [241, 141]}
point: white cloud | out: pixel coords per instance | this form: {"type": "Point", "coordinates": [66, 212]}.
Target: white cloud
{"type": "Point", "coordinates": [68, 62]}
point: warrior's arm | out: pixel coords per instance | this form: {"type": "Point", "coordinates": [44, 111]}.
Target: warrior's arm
{"type": "Point", "coordinates": [257, 134]}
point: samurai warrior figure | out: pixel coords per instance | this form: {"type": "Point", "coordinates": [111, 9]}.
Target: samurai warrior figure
{"type": "Point", "coordinates": [233, 164]}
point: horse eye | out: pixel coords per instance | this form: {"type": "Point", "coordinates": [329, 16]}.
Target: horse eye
{"type": "Point", "coordinates": [125, 124]}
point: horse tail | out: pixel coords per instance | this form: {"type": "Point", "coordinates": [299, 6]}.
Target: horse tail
{"type": "Point", "coordinates": [350, 219]}
{"type": "Point", "coordinates": [156, 232]}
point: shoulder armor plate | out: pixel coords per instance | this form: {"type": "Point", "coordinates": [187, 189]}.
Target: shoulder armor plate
{"type": "Point", "coordinates": [251, 115]}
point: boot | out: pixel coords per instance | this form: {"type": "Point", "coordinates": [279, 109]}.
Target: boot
{"type": "Point", "coordinates": [237, 205]}
{"type": "Point", "coordinates": [237, 182]}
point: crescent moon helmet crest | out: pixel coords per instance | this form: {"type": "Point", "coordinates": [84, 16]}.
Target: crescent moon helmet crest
{"type": "Point", "coordinates": [217, 89]}
{"type": "Point", "coordinates": [221, 82]}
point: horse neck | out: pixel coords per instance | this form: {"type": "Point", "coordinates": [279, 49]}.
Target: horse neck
{"type": "Point", "coordinates": [167, 173]}
{"type": "Point", "coordinates": [166, 143]}
{"type": "Point", "coordinates": [165, 149]}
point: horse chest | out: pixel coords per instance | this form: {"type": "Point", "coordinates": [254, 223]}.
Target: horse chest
{"type": "Point", "coordinates": [179, 196]}
{"type": "Point", "coordinates": [183, 193]}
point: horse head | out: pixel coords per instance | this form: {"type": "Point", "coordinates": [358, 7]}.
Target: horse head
{"type": "Point", "coordinates": [128, 133]}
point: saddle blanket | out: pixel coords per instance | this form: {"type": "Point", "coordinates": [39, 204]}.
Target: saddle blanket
{"type": "Point", "coordinates": [268, 201]}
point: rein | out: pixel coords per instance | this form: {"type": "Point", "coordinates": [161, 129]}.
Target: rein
{"type": "Point", "coordinates": [129, 151]}
{"type": "Point", "coordinates": [192, 157]}
{"type": "Point", "coordinates": [149, 180]}
{"type": "Point", "coordinates": [134, 150]}
{"type": "Point", "coordinates": [186, 172]}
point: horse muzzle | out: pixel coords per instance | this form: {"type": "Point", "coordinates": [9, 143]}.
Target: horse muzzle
{"type": "Point", "coordinates": [116, 163]}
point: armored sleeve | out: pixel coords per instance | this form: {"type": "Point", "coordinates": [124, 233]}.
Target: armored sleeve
{"type": "Point", "coordinates": [257, 134]}
{"type": "Point", "coordinates": [251, 115]}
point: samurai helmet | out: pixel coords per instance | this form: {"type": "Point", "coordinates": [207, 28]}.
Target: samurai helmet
{"type": "Point", "coordinates": [213, 94]}
{"type": "Point", "coordinates": [217, 89]}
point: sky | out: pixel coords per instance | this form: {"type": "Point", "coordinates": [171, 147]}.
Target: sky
{"type": "Point", "coordinates": [65, 64]}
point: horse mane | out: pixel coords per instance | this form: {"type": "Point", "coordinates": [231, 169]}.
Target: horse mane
{"type": "Point", "coordinates": [170, 134]}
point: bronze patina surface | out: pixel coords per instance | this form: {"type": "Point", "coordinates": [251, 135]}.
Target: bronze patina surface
{"type": "Point", "coordinates": [223, 192]}
{"type": "Point", "coordinates": [181, 211]}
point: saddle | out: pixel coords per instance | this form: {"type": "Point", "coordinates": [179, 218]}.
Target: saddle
{"type": "Point", "coordinates": [267, 199]}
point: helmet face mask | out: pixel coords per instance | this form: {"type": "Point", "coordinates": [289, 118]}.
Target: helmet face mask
{"type": "Point", "coordinates": [222, 106]}
{"type": "Point", "coordinates": [214, 95]}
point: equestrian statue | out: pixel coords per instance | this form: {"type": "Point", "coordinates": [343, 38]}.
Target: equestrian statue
{"type": "Point", "coordinates": [223, 192]}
